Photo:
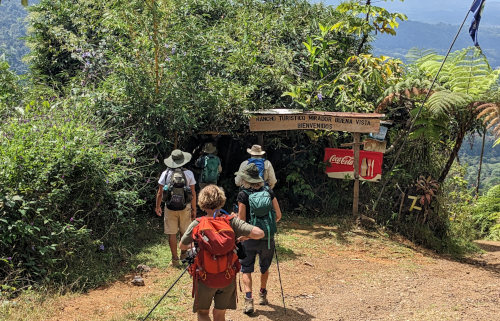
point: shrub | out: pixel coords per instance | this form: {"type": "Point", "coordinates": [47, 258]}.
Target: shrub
{"type": "Point", "coordinates": [67, 190]}
{"type": "Point", "coordinates": [486, 214]}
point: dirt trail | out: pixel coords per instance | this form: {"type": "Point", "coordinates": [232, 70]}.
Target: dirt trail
{"type": "Point", "coordinates": [359, 276]}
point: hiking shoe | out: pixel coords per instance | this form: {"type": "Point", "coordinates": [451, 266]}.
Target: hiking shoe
{"type": "Point", "coordinates": [176, 263]}
{"type": "Point", "coordinates": [248, 306]}
{"type": "Point", "coordinates": [263, 298]}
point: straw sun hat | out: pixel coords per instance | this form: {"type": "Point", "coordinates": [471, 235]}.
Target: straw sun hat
{"type": "Point", "coordinates": [256, 150]}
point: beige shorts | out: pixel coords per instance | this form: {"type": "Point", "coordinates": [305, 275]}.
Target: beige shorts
{"type": "Point", "coordinates": [177, 221]}
{"type": "Point", "coordinates": [223, 299]}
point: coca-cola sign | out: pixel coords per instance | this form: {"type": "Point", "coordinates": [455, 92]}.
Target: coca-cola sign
{"type": "Point", "coordinates": [340, 164]}
{"type": "Point", "coordinates": [345, 160]}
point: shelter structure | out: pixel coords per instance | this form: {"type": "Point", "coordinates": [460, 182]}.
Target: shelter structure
{"type": "Point", "coordinates": [296, 119]}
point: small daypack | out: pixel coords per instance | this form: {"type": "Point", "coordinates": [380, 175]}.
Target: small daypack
{"type": "Point", "coordinates": [259, 162]}
{"type": "Point", "coordinates": [262, 213]}
{"type": "Point", "coordinates": [216, 263]}
{"type": "Point", "coordinates": [177, 194]}
{"type": "Point", "coordinates": [210, 172]}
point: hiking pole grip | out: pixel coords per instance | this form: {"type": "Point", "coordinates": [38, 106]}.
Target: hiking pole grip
{"type": "Point", "coordinates": [279, 274]}
{"type": "Point", "coordinates": [164, 295]}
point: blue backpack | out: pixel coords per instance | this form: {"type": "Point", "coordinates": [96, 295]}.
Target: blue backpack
{"type": "Point", "coordinates": [259, 162]}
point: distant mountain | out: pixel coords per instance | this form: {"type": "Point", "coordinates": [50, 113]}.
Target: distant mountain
{"type": "Point", "coordinates": [433, 24]}
{"type": "Point", "coordinates": [12, 29]}
{"type": "Point", "coordinates": [435, 11]}
{"type": "Point", "coordinates": [411, 34]}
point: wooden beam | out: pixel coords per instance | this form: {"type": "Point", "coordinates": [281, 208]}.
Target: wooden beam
{"type": "Point", "coordinates": [357, 137]}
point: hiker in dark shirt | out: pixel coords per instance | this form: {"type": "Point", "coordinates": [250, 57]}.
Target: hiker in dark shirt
{"type": "Point", "coordinates": [255, 194]}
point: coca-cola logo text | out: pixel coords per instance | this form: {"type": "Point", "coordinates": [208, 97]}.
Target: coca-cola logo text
{"type": "Point", "coordinates": [346, 160]}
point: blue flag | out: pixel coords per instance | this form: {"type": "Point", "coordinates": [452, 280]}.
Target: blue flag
{"type": "Point", "coordinates": [477, 10]}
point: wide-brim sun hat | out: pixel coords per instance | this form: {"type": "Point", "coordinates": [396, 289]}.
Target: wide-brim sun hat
{"type": "Point", "coordinates": [250, 174]}
{"type": "Point", "coordinates": [256, 150]}
{"type": "Point", "coordinates": [177, 158]}
{"type": "Point", "coordinates": [209, 148]}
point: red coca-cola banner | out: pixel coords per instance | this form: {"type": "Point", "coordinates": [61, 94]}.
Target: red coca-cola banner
{"type": "Point", "coordinates": [340, 164]}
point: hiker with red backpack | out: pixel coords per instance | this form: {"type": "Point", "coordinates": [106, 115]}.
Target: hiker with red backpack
{"type": "Point", "coordinates": [258, 206]}
{"type": "Point", "coordinates": [176, 187]}
{"type": "Point", "coordinates": [216, 262]}
{"type": "Point", "coordinates": [266, 170]}
{"type": "Point", "coordinates": [210, 166]}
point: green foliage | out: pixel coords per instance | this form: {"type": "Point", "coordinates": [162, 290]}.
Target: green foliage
{"type": "Point", "coordinates": [68, 190]}
{"type": "Point", "coordinates": [9, 89]}
{"type": "Point", "coordinates": [360, 19]}
{"type": "Point", "coordinates": [486, 214]}
{"type": "Point", "coordinates": [338, 70]}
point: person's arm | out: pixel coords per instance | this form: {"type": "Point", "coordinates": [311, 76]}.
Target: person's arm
{"type": "Point", "coordinates": [276, 207]}
{"type": "Point", "coordinates": [187, 239]}
{"type": "Point", "coordinates": [199, 162]}
{"type": "Point", "coordinates": [270, 175]}
{"type": "Point", "coordinates": [242, 211]}
{"type": "Point", "coordinates": [245, 231]}
{"type": "Point", "coordinates": [256, 233]}
{"type": "Point", "coordinates": [193, 203]}
{"type": "Point", "coordinates": [159, 196]}
{"type": "Point", "coordinates": [184, 247]}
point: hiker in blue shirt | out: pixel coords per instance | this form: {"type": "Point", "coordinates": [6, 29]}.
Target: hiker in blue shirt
{"type": "Point", "coordinates": [210, 165]}
{"type": "Point", "coordinates": [266, 170]}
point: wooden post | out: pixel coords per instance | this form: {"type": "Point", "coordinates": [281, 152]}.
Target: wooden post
{"type": "Point", "coordinates": [260, 139]}
{"type": "Point", "coordinates": [356, 174]}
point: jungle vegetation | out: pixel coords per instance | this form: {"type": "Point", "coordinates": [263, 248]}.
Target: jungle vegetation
{"type": "Point", "coordinates": [114, 86]}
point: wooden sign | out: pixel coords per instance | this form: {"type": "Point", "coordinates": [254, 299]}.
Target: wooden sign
{"type": "Point", "coordinates": [349, 122]}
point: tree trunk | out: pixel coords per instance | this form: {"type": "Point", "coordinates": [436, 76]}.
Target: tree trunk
{"type": "Point", "coordinates": [365, 36]}
{"type": "Point", "coordinates": [453, 155]}
{"type": "Point", "coordinates": [480, 164]}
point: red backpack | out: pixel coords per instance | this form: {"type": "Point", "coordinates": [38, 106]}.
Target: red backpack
{"type": "Point", "coordinates": [216, 263]}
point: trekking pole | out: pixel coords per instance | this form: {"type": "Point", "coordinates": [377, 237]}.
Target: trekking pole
{"type": "Point", "coordinates": [170, 288]}
{"type": "Point", "coordinates": [279, 274]}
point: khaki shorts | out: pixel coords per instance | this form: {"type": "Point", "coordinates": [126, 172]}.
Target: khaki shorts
{"type": "Point", "coordinates": [176, 221]}
{"type": "Point", "coordinates": [224, 298]}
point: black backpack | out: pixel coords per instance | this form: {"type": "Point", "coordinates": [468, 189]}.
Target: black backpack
{"type": "Point", "coordinates": [177, 194]}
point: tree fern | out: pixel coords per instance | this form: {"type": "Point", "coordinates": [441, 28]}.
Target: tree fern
{"type": "Point", "coordinates": [447, 102]}
{"type": "Point", "coordinates": [491, 114]}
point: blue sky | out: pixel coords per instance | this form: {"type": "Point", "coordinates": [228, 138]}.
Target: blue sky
{"type": "Point", "coordinates": [436, 11]}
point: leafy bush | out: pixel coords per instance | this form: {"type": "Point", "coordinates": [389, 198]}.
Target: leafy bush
{"type": "Point", "coordinates": [67, 191]}
{"type": "Point", "coordinates": [486, 214]}
{"type": "Point", "coordinates": [9, 89]}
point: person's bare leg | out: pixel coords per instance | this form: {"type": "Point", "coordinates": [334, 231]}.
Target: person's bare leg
{"type": "Point", "coordinates": [263, 279]}
{"type": "Point", "coordinates": [172, 241]}
{"type": "Point", "coordinates": [247, 282]}
{"type": "Point", "coordinates": [247, 287]}
{"type": "Point", "coordinates": [219, 315]}
{"type": "Point", "coordinates": [263, 283]}
{"type": "Point", "coordinates": [204, 315]}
